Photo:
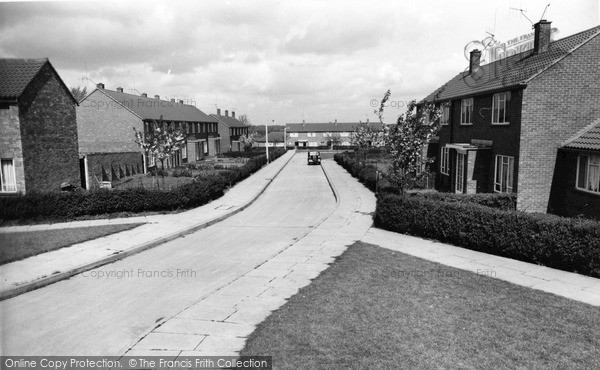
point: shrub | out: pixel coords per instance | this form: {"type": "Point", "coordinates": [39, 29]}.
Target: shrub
{"type": "Point", "coordinates": [502, 201]}
{"type": "Point", "coordinates": [181, 172]}
{"type": "Point", "coordinates": [61, 206]}
{"type": "Point", "coordinates": [562, 243]}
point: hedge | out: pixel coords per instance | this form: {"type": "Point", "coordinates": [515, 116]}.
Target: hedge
{"type": "Point", "coordinates": [62, 206]}
{"type": "Point", "coordinates": [563, 243]}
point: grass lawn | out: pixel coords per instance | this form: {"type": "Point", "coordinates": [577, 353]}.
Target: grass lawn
{"type": "Point", "coordinates": [20, 245]}
{"type": "Point", "coordinates": [375, 308]}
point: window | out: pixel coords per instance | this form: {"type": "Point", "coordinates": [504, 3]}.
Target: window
{"type": "Point", "coordinates": [466, 111]}
{"type": "Point", "coordinates": [460, 173]}
{"type": "Point", "coordinates": [445, 118]}
{"type": "Point", "coordinates": [499, 113]}
{"type": "Point", "coordinates": [184, 150]}
{"type": "Point", "coordinates": [588, 173]}
{"type": "Point", "coordinates": [312, 134]}
{"type": "Point", "coordinates": [8, 180]}
{"type": "Point", "coordinates": [503, 180]}
{"type": "Point", "coordinates": [293, 134]}
{"type": "Point", "coordinates": [151, 160]}
{"type": "Point", "coordinates": [344, 134]}
{"type": "Point", "coordinates": [445, 161]}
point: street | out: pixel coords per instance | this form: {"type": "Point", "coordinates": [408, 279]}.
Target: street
{"type": "Point", "coordinates": [103, 311]}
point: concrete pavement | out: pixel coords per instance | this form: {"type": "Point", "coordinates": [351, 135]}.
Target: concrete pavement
{"type": "Point", "coordinates": [47, 268]}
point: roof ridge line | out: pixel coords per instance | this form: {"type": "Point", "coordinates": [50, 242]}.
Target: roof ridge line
{"type": "Point", "coordinates": [568, 53]}
{"type": "Point", "coordinates": [116, 101]}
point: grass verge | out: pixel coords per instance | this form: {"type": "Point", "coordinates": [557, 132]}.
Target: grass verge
{"type": "Point", "coordinates": [19, 245]}
{"type": "Point", "coordinates": [376, 308]}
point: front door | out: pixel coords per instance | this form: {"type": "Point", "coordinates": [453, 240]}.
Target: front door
{"type": "Point", "coordinates": [459, 176]}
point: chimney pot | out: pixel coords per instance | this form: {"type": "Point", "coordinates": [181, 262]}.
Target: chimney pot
{"type": "Point", "coordinates": [119, 89]}
{"type": "Point", "coordinates": [156, 96]}
{"type": "Point", "coordinates": [144, 95]}
{"type": "Point", "coordinates": [541, 33]}
{"type": "Point", "coordinates": [100, 86]}
{"type": "Point", "coordinates": [233, 114]}
{"type": "Point", "coordinates": [474, 61]}
{"type": "Point", "coordinates": [226, 113]}
{"type": "Point", "coordinates": [219, 112]}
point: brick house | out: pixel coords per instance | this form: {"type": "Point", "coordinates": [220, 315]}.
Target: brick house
{"type": "Point", "coordinates": [310, 135]}
{"type": "Point", "coordinates": [230, 129]}
{"type": "Point", "coordinates": [107, 148]}
{"type": "Point", "coordinates": [504, 122]}
{"type": "Point", "coordinates": [38, 131]}
{"type": "Point", "coordinates": [576, 184]}
{"type": "Point", "coordinates": [276, 139]}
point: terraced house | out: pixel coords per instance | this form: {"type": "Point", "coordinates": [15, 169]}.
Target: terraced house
{"type": "Point", "coordinates": [504, 123]}
{"type": "Point", "coordinates": [230, 129]}
{"type": "Point", "coordinates": [38, 131]}
{"type": "Point", "coordinates": [311, 135]}
{"type": "Point", "coordinates": [107, 148]}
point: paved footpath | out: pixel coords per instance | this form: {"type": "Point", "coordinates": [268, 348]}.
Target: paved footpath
{"type": "Point", "coordinates": [219, 323]}
{"type": "Point", "coordinates": [47, 268]}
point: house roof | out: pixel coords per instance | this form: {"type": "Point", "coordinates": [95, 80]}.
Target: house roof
{"type": "Point", "coordinates": [588, 138]}
{"type": "Point", "coordinates": [273, 136]}
{"type": "Point", "coordinates": [228, 121]}
{"type": "Point", "coordinates": [327, 127]}
{"type": "Point", "coordinates": [17, 74]}
{"type": "Point", "coordinates": [512, 71]}
{"type": "Point", "coordinates": [153, 109]}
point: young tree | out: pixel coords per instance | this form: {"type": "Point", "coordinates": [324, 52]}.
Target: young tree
{"type": "Point", "coordinates": [407, 139]}
{"type": "Point", "coordinates": [364, 137]}
{"type": "Point", "coordinates": [244, 119]}
{"type": "Point", "coordinates": [248, 140]}
{"type": "Point", "coordinates": [160, 142]}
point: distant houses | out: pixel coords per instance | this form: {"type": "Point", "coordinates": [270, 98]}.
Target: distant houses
{"type": "Point", "coordinates": [106, 118]}
{"type": "Point", "coordinates": [511, 126]}
{"type": "Point", "coordinates": [311, 135]}
{"type": "Point", "coordinates": [38, 129]}
{"type": "Point", "coordinates": [230, 129]}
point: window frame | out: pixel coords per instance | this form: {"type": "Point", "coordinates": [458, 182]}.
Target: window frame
{"type": "Point", "coordinates": [445, 117]}
{"type": "Point", "coordinates": [500, 177]}
{"type": "Point", "coordinates": [445, 161]}
{"type": "Point", "coordinates": [460, 175]}
{"type": "Point", "coordinates": [587, 172]}
{"type": "Point", "coordinates": [500, 99]}
{"type": "Point", "coordinates": [10, 188]}
{"type": "Point", "coordinates": [466, 111]}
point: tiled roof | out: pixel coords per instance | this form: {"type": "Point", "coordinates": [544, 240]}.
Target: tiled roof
{"type": "Point", "coordinates": [588, 138]}
{"type": "Point", "coordinates": [228, 121]}
{"type": "Point", "coordinates": [16, 74]}
{"type": "Point", "coordinates": [511, 71]}
{"type": "Point", "coordinates": [273, 136]}
{"type": "Point", "coordinates": [153, 109]}
{"type": "Point", "coordinates": [327, 127]}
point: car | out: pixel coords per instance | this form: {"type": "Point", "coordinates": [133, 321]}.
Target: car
{"type": "Point", "coordinates": [314, 158]}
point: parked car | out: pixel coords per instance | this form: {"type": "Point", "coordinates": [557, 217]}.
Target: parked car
{"type": "Point", "coordinates": [314, 158]}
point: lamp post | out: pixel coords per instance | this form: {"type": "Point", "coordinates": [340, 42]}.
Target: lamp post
{"type": "Point", "coordinates": [267, 140]}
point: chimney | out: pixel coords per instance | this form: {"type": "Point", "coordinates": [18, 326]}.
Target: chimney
{"type": "Point", "coordinates": [541, 40]}
{"type": "Point", "coordinates": [144, 95]}
{"type": "Point", "coordinates": [233, 114]}
{"type": "Point", "coordinates": [335, 122]}
{"type": "Point", "coordinates": [303, 122]}
{"type": "Point", "coordinates": [219, 112]}
{"type": "Point", "coordinates": [100, 86]}
{"type": "Point", "coordinates": [119, 89]}
{"type": "Point", "coordinates": [156, 96]}
{"type": "Point", "coordinates": [226, 113]}
{"type": "Point", "coordinates": [474, 60]}
{"type": "Point", "coordinates": [367, 120]}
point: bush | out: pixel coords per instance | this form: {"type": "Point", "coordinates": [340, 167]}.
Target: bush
{"type": "Point", "coordinates": [501, 201]}
{"type": "Point", "coordinates": [562, 243]}
{"type": "Point", "coordinates": [61, 206]}
{"type": "Point", "coordinates": [182, 172]}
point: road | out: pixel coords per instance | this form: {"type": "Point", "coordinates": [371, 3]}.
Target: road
{"type": "Point", "coordinates": [93, 315]}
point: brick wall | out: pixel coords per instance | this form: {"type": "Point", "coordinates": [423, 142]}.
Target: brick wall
{"type": "Point", "coordinates": [106, 127]}
{"type": "Point", "coordinates": [114, 165]}
{"type": "Point", "coordinates": [48, 133]}
{"type": "Point", "coordinates": [10, 141]}
{"type": "Point", "coordinates": [556, 105]}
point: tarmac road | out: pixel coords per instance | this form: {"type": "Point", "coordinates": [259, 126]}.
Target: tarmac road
{"type": "Point", "coordinates": [102, 311]}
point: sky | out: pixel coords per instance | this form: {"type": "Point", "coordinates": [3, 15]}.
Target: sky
{"type": "Point", "coordinates": [275, 61]}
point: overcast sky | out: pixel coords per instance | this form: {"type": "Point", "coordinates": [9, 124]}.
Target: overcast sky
{"type": "Point", "coordinates": [273, 60]}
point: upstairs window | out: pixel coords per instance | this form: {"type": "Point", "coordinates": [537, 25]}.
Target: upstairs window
{"type": "Point", "coordinates": [293, 134]}
{"type": "Point", "coordinates": [445, 117]}
{"type": "Point", "coordinates": [466, 111]}
{"type": "Point", "coordinates": [499, 105]}
{"type": "Point", "coordinates": [588, 173]}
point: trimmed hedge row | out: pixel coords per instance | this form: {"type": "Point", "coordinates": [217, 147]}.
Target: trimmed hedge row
{"type": "Point", "coordinates": [562, 243]}
{"type": "Point", "coordinates": [365, 174]}
{"type": "Point", "coordinates": [69, 205]}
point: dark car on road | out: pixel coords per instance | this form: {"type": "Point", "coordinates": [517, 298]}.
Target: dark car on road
{"type": "Point", "coordinates": [314, 158]}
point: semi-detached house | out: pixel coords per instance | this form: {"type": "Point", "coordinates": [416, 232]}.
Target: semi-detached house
{"type": "Point", "coordinates": [504, 123]}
